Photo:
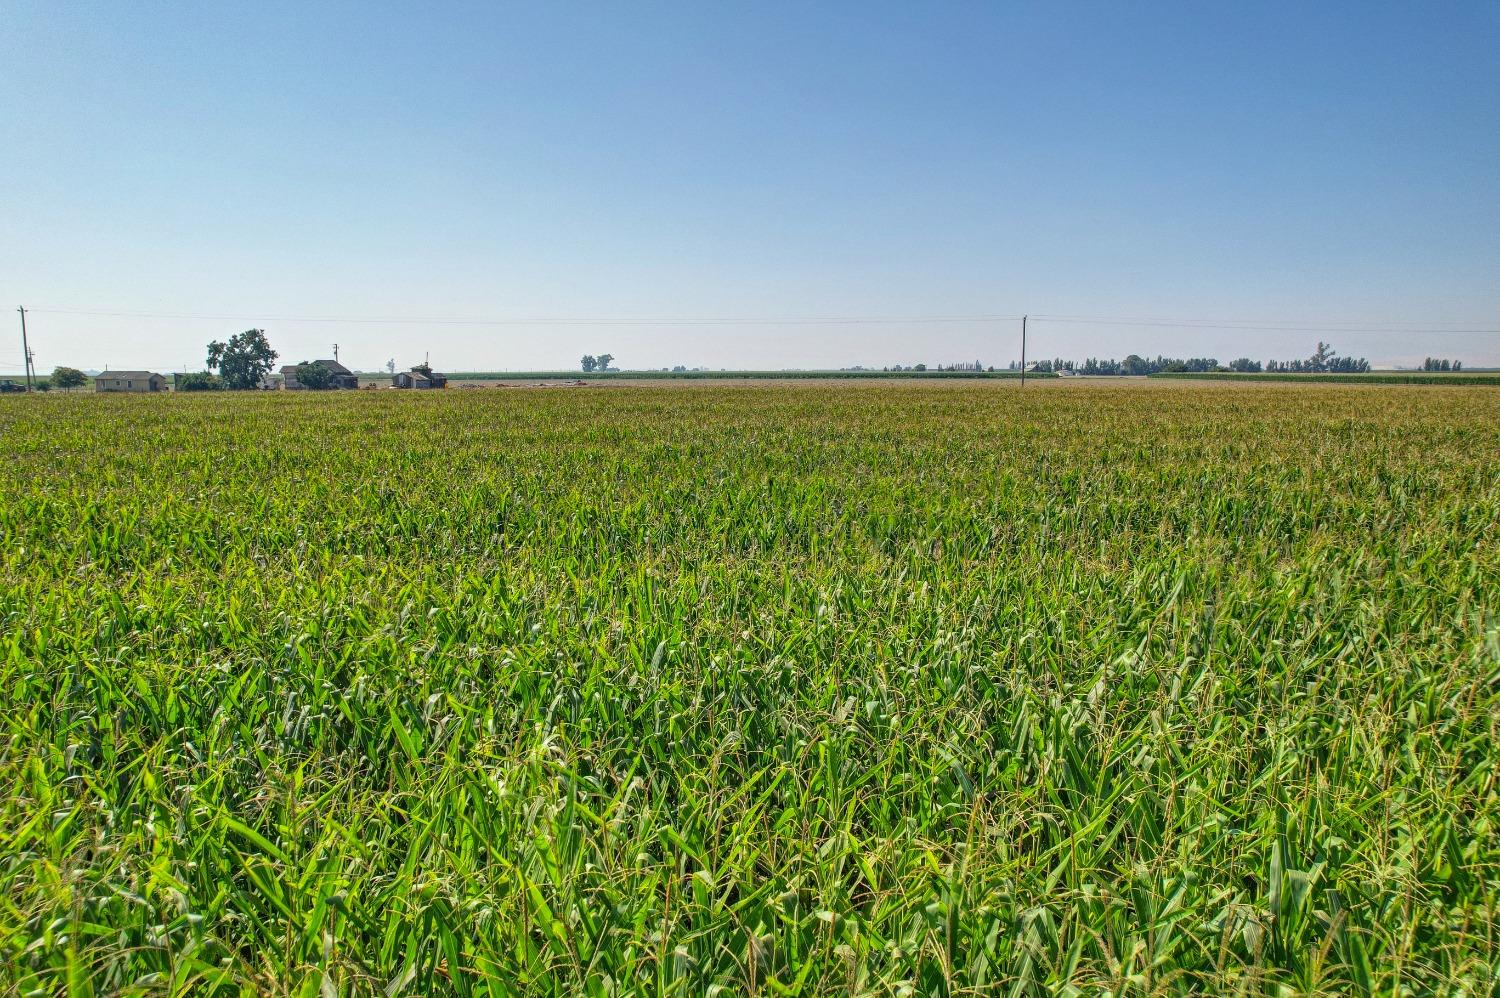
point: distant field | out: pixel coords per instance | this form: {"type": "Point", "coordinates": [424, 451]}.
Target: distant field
{"type": "Point", "coordinates": [899, 689]}
{"type": "Point", "coordinates": [1369, 378]}
{"type": "Point", "coordinates": [710, 375]}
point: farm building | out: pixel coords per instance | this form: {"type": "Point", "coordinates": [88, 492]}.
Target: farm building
{"type": "Point", "coordinates": [130, 381]}
{"type": "Point", "coordinates": [342, 376]}
{"type": "Point", "coordinates": [418, 378]}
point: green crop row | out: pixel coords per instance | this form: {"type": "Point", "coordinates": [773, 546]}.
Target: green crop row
{"type": "Point", "coordinates": [1491, 378]}
{"type": "Point", "coordinates": [735, 375]}
{"type": "Point", "coordinates": [804, 689]}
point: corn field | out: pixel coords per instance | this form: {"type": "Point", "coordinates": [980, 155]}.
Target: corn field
{"type": "Point", "coordinates": [774, 690]}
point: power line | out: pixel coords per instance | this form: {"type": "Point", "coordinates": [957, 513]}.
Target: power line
{"type": "Point", "coordinates": [1348, 327]}
{"type": "Point", "coordinates": [550, 320]}
{"type": "Point", "coordinates": [1265, 321]}
{"type": "Point", "coordinates": [1357, 329]}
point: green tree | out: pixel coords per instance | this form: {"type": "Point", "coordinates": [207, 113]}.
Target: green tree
{"type": "Point", "coordinates": [1321, 358]}
{"type": "Point", "coordinates": [244, 361]}
{"type": "Point", "coordinates": [44, 385]}
{"type": "Point", "coordinates": [589, 364]}
{"type": "Point", "coordinates": [198, 381]}
{"type": "Point", "coordinates": [604, 360]}
{"type": "Point", "coordinates": [314, 376]}
{"type": "Point", "coordinates": [68, 377]}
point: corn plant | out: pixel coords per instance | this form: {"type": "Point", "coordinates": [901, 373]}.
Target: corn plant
{"type": "Point", "coordinates": [788, 689]}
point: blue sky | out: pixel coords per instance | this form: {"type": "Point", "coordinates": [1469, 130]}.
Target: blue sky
{"type": "Point", "coordinates": [1316, 166]}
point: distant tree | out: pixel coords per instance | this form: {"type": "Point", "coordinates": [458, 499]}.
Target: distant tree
{"type": "Point", "coordinates": [1321, 358]}
{"type": "Point", "coordinates": [424, 369]}
{"type": "Point", "coordinates": [198, 381]}
{"type": "Point", "coordinates": [68, 377]}
{"type": "Point", "coordinates": [679, 369]}
{"type": "Point", "coordinates": [390, 365]}
{"type": "Point", "coordinates": [1244, 365]}
{"type": "Point", "coordinates": [589, 364]}
{"type": "Point", "coordinates": [604, 360]}
{"type": "Point", "coordinates": [44, 385]}
{"type": "Point", "coordinates": [314, 376]}
{"type": "Point", "coordinates": [244, 361]}
{"type": "Point", "coordinates": [919, 367]}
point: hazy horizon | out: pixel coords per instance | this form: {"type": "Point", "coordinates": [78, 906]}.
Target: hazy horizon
{"type": "Point", "coordinates": [468, 183]}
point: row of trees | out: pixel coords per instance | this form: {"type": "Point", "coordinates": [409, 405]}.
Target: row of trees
{"type": "Point", "coordinates": [1436, 364]}
{"type": "Point", "coordinates": [601, 363]}
{"type": "Point", "coordinates": [1323, 361]}
{"type": "Point", "coordinates": [1132, 366]}
{"type": "Point", "coordinates": [1335, 365]}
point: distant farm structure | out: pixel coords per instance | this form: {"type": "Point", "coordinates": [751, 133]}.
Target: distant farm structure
{"type": "Point", "coordinates": [419, 377]}
{"type": "Point", "coordinates": [339, 376]}
{"type": "Point", "coordinates": [130, 381]}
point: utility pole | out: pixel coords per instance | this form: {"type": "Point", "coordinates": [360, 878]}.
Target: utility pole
{"type": "Point", "coordinates": [25, 348]}
{"type": "Point", "coordinates": [335, 353]}
{"type": "Point", "coordinates": [1023, 351]}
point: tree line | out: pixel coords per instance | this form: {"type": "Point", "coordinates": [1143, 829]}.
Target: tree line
{"type": "Point", "coordinates": [1324, 360]}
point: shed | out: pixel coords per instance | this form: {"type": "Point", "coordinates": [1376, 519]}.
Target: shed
{"type": "Point", "coordinates": [130, 381]}
{"type": "Point", "coordinates": [417, 378]}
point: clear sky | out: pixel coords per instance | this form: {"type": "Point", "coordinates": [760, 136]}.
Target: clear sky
{"type": "Point", "coordinates": [1306, 165]}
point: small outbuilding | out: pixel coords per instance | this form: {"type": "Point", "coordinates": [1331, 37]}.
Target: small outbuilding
{"type": "Point", "coordinates": [419, 378]}
{"type": "Point", "coordinates": [130, 381]}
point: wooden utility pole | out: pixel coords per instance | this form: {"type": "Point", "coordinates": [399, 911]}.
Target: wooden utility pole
{"type": "Point", "coordinates": [1023, 351]}
{"type": "Point", "coordinates": [25, 348]}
